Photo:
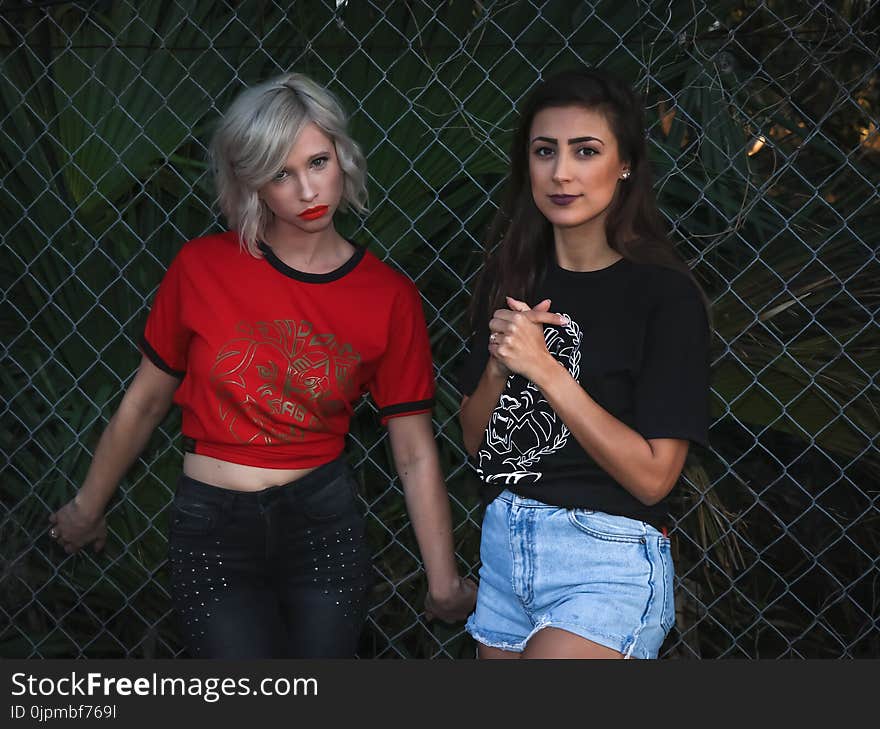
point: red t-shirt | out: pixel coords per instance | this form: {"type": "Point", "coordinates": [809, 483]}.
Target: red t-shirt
{"type": "Point", "coordinates": [273, 360]}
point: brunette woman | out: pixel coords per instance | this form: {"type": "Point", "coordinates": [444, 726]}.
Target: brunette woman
{"type": "Point", "coordinates": [586, 382]}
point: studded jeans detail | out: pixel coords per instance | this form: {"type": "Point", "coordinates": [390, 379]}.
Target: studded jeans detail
{"type": "Point", "coordinates": [283, 572]}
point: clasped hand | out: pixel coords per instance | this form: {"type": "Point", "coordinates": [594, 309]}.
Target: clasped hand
{"type": "Point", "coordinates": [516, 338]}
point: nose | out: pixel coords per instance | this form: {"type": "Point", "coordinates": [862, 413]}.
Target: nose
{"type": "Point", "coordinates": [307, 191]}
{"type": "Point", "coordinates": [561, 172]}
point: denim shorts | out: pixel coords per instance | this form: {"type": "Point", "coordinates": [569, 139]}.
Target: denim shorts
{"type": "Point", "coordinates": [605, 578]}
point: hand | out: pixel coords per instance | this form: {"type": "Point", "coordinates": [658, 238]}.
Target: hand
{"type": "Point", "coordinates": [73, 527]}
{"type": "Point", "coordinates": [453, 605]}
{"type": "Point", "coordinates": [517, 337]}
{"type": "Point", "coordinates": [496, 369]}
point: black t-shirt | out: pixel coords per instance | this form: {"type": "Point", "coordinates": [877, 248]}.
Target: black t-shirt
{"type": "Point", "coordinates": [638, 343]}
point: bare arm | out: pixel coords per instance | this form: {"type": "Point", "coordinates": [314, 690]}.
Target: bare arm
{"type": "Point", "coordinates": [648, 469]}
{"type": "Point", "coordinates": [146, 401]}
{"type": "Point", "coordinates": [477, 409]}
{"type": "Point", "coordinates": [427, 502]}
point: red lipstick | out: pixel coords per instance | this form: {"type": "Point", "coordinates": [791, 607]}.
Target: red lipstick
{"type": "Point", "coordinates": [319, 211]}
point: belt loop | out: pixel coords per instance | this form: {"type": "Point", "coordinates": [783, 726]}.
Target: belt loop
{"type": "Point", "coordinates": [229, 499]}
{"type": "Point", "coordinates": [262, 499]}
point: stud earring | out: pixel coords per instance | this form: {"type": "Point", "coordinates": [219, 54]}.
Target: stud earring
{"type": "Point", "coordinates": [624, 175]}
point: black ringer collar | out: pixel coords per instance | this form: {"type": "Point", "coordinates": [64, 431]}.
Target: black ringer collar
{"type": "Point", "coordinates": [293, 273]}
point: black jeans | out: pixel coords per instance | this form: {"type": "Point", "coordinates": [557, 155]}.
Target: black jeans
{"type": "Point", "coordinates": [278, 573]}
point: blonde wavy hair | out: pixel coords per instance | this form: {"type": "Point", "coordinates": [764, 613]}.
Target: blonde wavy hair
{"type": "Point", "coordinates": [254, 137]}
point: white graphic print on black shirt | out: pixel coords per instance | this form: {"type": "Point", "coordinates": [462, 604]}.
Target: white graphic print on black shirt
{"type": "Point", "coordinates": [639, 350]}
{"type": "Point", "coordinates": [523, 427]}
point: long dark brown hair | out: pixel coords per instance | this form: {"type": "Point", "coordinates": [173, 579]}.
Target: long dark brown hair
{"type": "Point", "coordinates": [520, 239]}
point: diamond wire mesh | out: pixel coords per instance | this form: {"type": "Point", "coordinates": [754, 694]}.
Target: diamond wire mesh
{"type": "Point", "coordinates": [764, 136]}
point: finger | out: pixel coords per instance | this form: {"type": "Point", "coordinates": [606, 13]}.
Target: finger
{"type": "Point", "coordinates": [501, 328]}
{"type": "Point", "coordinates": [53, 517]}
{"type": "Point", "coordinates": [546, 317]}
{"type": "Point", "coordinates": [517, 305]}
{"type": "Point", "coordinates": [99, 544]}
{"type": "Point", "coordinates": [503, 315]}
{"type": "Point", "coordinates": [542, 306]}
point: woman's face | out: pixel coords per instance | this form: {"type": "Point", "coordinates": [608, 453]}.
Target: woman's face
{"type": "Point", "coordinates": [307, 190]}
{"type": "Point", "coordinates": [574, 165]}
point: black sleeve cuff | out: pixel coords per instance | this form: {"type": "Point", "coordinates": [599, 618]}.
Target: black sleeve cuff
{"type": "Point", "coordinates": [697, 436]}
{"type": "Point", "coordinates": [406, 407]}
{"type": "Point", "coordinates": [154, 357]}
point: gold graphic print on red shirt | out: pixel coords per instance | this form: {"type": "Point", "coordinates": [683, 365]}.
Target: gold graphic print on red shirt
{"type": "Point", "coordinates": [285, 368]}
{"type": "Point", "coordinates": [272, 361]}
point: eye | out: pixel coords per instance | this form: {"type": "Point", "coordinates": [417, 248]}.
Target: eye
{"type": "Point", "coordinates": [320, 163]}
{"type": "Point", "coordinates": [587, 151]}
{"type": "Point", "coordinates": [543, 151]}
{"type": "Point", "coordinates": [279, 176]}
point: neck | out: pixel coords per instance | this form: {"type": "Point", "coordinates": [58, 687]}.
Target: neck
{"type": "Point", "coordinates": [319, 252]}
{"type": "Point", "coordinates": [584, 248]}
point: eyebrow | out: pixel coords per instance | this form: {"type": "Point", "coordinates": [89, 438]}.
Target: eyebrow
{"type": "Point", "coordinates": [576, 140]}
{"type": "Point", "coordinates": [311, 158]}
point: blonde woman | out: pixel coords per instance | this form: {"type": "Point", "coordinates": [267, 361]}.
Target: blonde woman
{"type": "Point", "coordinates": [267, 336]}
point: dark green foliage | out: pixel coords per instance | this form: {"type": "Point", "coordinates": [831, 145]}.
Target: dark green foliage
{"type": "Point", "coordinates": [103, 125]}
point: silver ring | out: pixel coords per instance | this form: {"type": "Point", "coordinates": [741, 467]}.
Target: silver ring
{"type": "Point", "coordinates": [493, 337]}
{"type": "Point", "coordinates": [53, 532]}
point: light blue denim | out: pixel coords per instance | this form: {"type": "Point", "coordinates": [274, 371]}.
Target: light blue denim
{"type": "Point", "coordinates": [602, 577]}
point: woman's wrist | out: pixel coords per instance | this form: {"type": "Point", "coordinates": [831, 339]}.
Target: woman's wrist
{"type": "Point", "coordinates": [546, 372]}
{"type": "Point", "coordinates": [441, 589]}
{"type": "Point", "coordinates": [496, 370]}
{"type": "Point", "coordinates": [442, 572]}
{"type": "Point", "coordinates": [90, 507]}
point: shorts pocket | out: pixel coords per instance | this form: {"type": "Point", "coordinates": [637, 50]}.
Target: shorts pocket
{"type": "Point", "coordinates": [608, 527]}
{"type": "Point", "coordinates": [667, 618]}
{"type": "Point", "coordinates": [336, 499]}
{"type": "Point", "coordinates": [193, 518]}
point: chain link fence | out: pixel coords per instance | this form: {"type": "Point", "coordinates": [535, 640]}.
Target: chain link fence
{"type": "Point", "coordinates": [764, 124]}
